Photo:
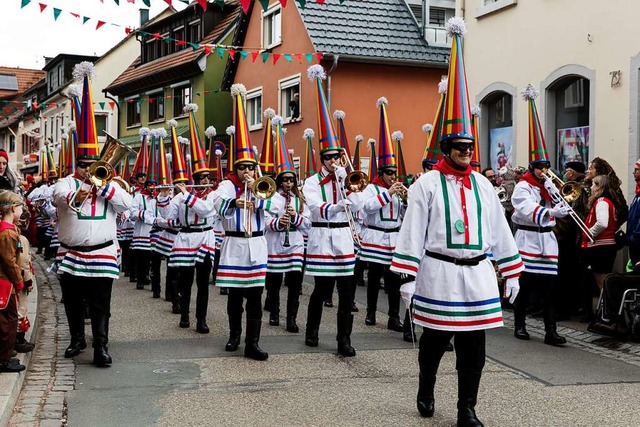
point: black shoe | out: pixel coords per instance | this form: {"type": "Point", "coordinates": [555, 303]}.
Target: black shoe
{"type": "Point", "coordinates": [521, 333]}
{"type": "Point", "coordinates": [394, 324]}
{"type": "Point", "coordinates": [552, 338]}
{"type": "Point", "coordinates": [201, 326]}
{"type": "Point", "coordinates": [426, 406]}
{"type": "Point", "coordinates": [328, 303]}
{"type": "Point", "coordinates": [274, 319]}
{"type": "Point", "coordinates": [74, 348]}
{"type": "Point", "coordinates": [101, 357]}
{"type": "Point", "coordinates": [12, 366]}
{"type": "Point", "coordinates": [449, 347]}
{"type": "Point", "coordinates": [292, 326]}
{"type": "Point", "coordinates": [354, 308]}
{"type": "Point", "coordinates": [224, 291]}
{"type": "Point", "coordinates": [175, 307]}
{"type": "Point", "coordinates": [345, 349]}
{"type": "Point", "coordinates": [370, 319]}
{"type": "Point", "coordinates": [311, 338]}
{"type": "Point", "coordinates": [253, 351]}
{"type": "Point", "coordinates": [232, 344]}
{"type": "Point", "coordinates": [24, 347]}
{"type": "Point", "coordinates": [184, 321]}
{"type": "Point", "coordinates": [467, 418]}
{"type": "Point", "coordinates": [156, 294]}
{"type": "Point", "coordinates": [139, 286]}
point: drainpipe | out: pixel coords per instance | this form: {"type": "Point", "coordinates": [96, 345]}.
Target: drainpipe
{"type": "Point", "coordinates": [331, 70]}
{"type": "Point", "coordinates": [106, 95]}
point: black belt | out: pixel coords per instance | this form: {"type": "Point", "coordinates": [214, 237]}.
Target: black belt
{"type": "Point", "coordinates": [87, 248]}
{"type": "Point", "coordinates": [456, 261]}
{"type": "Point", "coordinates": [330, 224]}
{"type": "Point", "coordinates": [194, 230]}
{"type": "Point", "coordinates": [155, 230]}
{"type": "Point", "coordinates": [384, 230]}
{"type": "Point", "coordinates": [536, 229]}
{"type": "Point", "coordinates": [171, 231]}
{"type": "Point", "coordinates": [241, 234]}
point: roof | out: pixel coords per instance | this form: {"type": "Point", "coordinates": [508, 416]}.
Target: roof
{"type": "Point", "coordinates": [373, 30]}
{"type": "Point", "coordinates": [179, 65]}
{"type": "Point", "coordinates": [70, 56]}
{"type": "Point", "coordinates": [26, 78]}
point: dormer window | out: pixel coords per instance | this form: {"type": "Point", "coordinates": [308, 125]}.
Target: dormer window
{"type": "Point", "coordinates": [272, 27]}
{"type": "Point", "coordinates": [194, 31]}
{"type": "Point", "coordinates": [178, 36]}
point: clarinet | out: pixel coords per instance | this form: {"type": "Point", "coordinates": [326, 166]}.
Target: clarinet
{"type": "Point", "coordinates": [286, 243]}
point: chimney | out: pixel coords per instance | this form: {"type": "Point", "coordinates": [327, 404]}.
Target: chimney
{"type": "Point", "coordinates": [144, 16]}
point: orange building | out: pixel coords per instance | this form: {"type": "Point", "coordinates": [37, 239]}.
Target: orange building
{"type": "Point", "coordinates": [369, 49]}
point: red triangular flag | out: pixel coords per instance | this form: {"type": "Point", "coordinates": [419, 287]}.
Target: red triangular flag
{"type": "Point", "coordinates": [284, 3]}
{"type": "Point", "coordinates": [254, 56]}
{"type": "Point", "coordinates": [245, 5]}
{"type": "Point", "coordinates": [207, 49]}
{"type": "Point", "coordinates": [128, 30]}
{"type": "Point", "coordinates": [100, 24]}
{"type": "Point", "coordinates": [42, 7]}
{"type": "Point", "coordinates": [203, 4]}
{"type": "Point", "coordinates": [168, 2]}
{"type": "Point", "coordinates": [157, 36]}
{"type": "Point", "coordinates": [232, 53]}
{"type": "Point", "coordinates": [112, 105]}
{"type": "Point", "coordinates": [319, 56]}
{"type": "Point", "coordinates": [320, 1]}
{"type": "Point", "coordinates": [74, 15]}
{"type": "Point", "coordinates": [299, 56]}
{"type": "Point", "coordinates": [276, 56]}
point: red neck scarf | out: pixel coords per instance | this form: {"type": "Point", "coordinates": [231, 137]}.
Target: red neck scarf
{"type": "Point", "coordinates": [531, 179]}
{"type": "Point", "coordinates": [637, 187]}
{"type": "Point", "coordinates": [461, 175]}
{"type": "Point", "coordinates": [330, 177]}
{"type": "Point", "coordinates": [379, 182]}
{"type": "Point", "coordinates": [231, 176]}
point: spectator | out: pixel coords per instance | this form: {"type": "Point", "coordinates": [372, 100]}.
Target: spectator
{"type": "Point", "coordinates": [294, 107]}
{"type": "Point", "coordinates": [599, 166]}
{"type": "Point", "coordinates": [490, 174]}
{"type": "Point", "coordinates": [633, 225]}
{"type": "Point", "coordinates": [9, 180]}
{"type": "Point", "coordinates": [22, 345]}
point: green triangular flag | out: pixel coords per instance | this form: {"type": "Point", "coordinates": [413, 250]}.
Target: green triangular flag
{"type": "Point", "coordinates": [309, 57]}
{"type": "Point", "coordinates": [147, 3]}
{"type": "Point", "coordinates": [56, 13]}
{"type": "Point", "coordinates": [288, 57]}
{"type": "Point", "coordinates": [220, 3]}
{"type": "Point", "coordinates": [168, 40]}
{"type": "Point", "coordinates": [24, 3]}
{"type": "Point", "coordinates": [117, 2]}
{"type": "Point", "coordinates": [265, 4]}
{"type": "Point", "coordinates": [265, 56]}
{"type": "Point", "coordinates": [85, 19]}
{"type": "Point", "coordinates": [195, 46]}
{"type": "Point", "coordinates": [220, 51]}
{"type": "Point", "coordinates": [303, 3]}
{"type": "Point", "coordinates": [102, 104]}
{"type": "Point", "coordinates": [243, 54]}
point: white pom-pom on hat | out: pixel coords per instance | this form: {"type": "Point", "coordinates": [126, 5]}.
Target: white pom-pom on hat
{"type": "Point", "coordinates": [308, 133]}
{"type": "Point", "coordinates": [427, 127]}
{"type": "Point", "coordinates": [316, 72]}
{"type": "Point", "coordinates": [339, 114]}
{"type": "Point", "coordinates": [370, 140]}
{"type": "Point", "coordinates": [173, 123]}
{"type": "Point", "coordinates": [161, 133]}
{"type": "Point", "coordinates": [210, 132]}
{"type": "Point", "coordinates": [75, 90]}
{"type": "Point", "coordinates": [382, 101]}
{"type": "Point", "coordinates": [191, 107]}
{"type": "Point", "coordinates": [153, 133]}
{"type": "Point", "coordinates": [144, 131]}
{"type": "Point", "coordinates": [64, 136]}
{"type": "Point", "coordinates": [231, 130]}
{"type": "Point", "coordinates": [238, 89]}
{"type": "Point", "coordinates": [277, 121]}
{"type": "Point", "coordinates": [72, 125]}
{"type": "Point", "coordinates": [218, 152]}
{"type": "Point", "coordinates": [269, 113]}
{"type": "Point", "coordinates": [530, 92]}
{"type": "Point", "coordinates": [475, 110]}
{"type": "Point", "coordinates": [359, 138]}
{"type": "Point", "coordinates": [82, 69]}
{"type": "Point", "coordinates": [188, 157]}
{"type": "Point", "coordinates": [397, 135]}
{"type": "Point", "coordinates": [455, 25]}
{"type": "Point", "coordinates": [442, 86]}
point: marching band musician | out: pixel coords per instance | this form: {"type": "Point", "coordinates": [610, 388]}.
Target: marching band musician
{"type": "Point", "coordinates": [534, 216]}
{"type": "Point", "coordinates": [453, 220]}
{"type": "Point", "coordinates": [330, 247]}
{"type": "Point", "coordinates": [243, 257]}
{"type": "Point", "coordinates": [384, 202]}
{"type": "Point", "coordinates": [284, 236]}
{"type": "Point", "coordinates": [193, 210]}
{"type": "Point", "coordinates": [88, 246]}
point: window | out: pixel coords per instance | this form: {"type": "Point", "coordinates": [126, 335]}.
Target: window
{"type": "Point", "coordinates": [152, 49]}
{"type": "Point", "coordinates": [289, 102]}
{"type": "Point", "coordinates": [436, 16]}
{"type": "Point", "coordinates": [2, 142]}
{"type": "Point", "coordinates": [12, 143]}
{"type": "Point", "coordinates": [8, 82]}
{"type": "Point", "coordinates": [133, 111]}
{"type": "Point", "coordinates": [164, 45]}
{"type": "Point", "coordinates": [101, 124]}
{"type": "Point", "coordinates": [497, 121]}
{"type": "Point", "coordinates": [488, 7]}
{"type": "Point", "coordinates": [194, 31]}
{"type": "Point", "coordinates": [60, 75]}
{"type": "Point", "coordinates": [574, 94]}
{"type": "Point", "coordinates": [254, 109]}
{"type": "Point", "coordinates": [156, 107]}
{"type": "Point", "coordinates": [52, 82]}
{"type": "Point", "coordinates": [271, 27]}
{"type": "Point", "coordinates": [178, 35]}
{"type": "Point", "coordinates": [181, 97]}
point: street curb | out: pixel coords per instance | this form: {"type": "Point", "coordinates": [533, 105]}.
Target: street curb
{"type": "Point", "coordinates": [11, 384]}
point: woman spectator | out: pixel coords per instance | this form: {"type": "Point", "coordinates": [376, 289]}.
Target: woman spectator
{"type": "Point", "coordinates": [599, 166]}
{"type": "Point", "coordinates": [9, 180]}
{"type": "Point", "coordinates": [602, 223]}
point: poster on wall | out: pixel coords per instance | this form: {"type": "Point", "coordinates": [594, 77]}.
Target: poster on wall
{"type": "Point", "coordinates": [500, 150]}
{"type": "Point", "coordinates": [573, 145]}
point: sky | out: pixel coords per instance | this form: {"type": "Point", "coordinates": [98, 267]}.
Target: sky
{"type": "Point", "coordinates": [27, 35]}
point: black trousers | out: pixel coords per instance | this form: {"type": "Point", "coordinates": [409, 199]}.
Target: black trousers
{"type": "Point", "coordinates": [202, 270]}
{"type": "Point", "coordinates": [253, 306]}
{"type": "Point", "coordinates": [322, 290]}
{"type": "Point", "coordinates": [470, 347]}
{"type": "Point", "coordinates": [391, 284]}
{"type": "Point", "coordinates": [156, 261]}
{"type": "Point", "coordinates": [8, 328]}
{"type": "Point", "coordinates": [293, 282]}
{"type": "Point", "coordinates": [531, 283]}
{"type": "Point", "coordinates": [216, 264]}
{"type": "Point", "coordinates": [97, 292]}
{"type": "Point", "coordinates": [124, 252]}
{"type": "Point", "coordinates": [143, 262]}
{"type": "Point", "coordinates": [43, 239]}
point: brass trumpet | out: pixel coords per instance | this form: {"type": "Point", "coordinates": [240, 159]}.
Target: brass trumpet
{"type": "Point", "coordinates": [355, 181]}
{"type": "Point", "coordinates": [568, 193]}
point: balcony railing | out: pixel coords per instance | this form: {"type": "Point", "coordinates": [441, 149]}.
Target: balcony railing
{"type": "Point", "coordinates": [437, 36]}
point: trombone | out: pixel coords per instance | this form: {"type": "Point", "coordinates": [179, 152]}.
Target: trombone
{"type": "Point", "coordinates": [355, 181]}
{"type": "Point", "coordinates": [170, 186]}
{"type": "Point", "coordinates": [103, 171]}
{"type": "Point", "coordinates": [262, 188]}
{"type": "Point", "coordinates": [568, 193]}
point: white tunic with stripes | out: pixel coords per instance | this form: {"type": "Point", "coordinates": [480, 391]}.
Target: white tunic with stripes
{"type": "Point", "coordinates": [243, 260]}
{"type": "Point", "coordinates": [539, 251]}
{"type": "Point", "coordinates": [282, 258]}
{"type": "Point", "coordinates": [143, 213]}
{"type": "Point", "coordinates": [330, 251]}
{"type": "Point", "coordinates": [94, 225]}
{"type": "Point", "coordinates": [382, 211]}
{"type": "Point", "coordinates": [162, 234]}
{"type": "Point", "coordinates": [447, 218]}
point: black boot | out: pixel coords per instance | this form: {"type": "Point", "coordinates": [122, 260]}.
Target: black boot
{"type": "Point", "coordinates": [251, 349]}
{"type": "Point", "coordinates": [78, 343]}
{"type": "Point", "coordinates": [370, 318]}
{"type": "Point", "coordinates": [345, 325]}
{"type": "Point", "coordinates": [100, 330]}
{"type": "Point", "coordinates": [22, 345]}
{"type": "Point", "coordinates": [201, 326]}
{"type": "Point", "coordinates": [551, 336]}
{"type": "Point", "coordinates": [468, 384]}
{"type": "Point", "coordinates": [292, 314]}
{"type": "Point", "coordinates": [12, 366]}
{"type": "Point", "coordinates": [235, 330]}
{"type": "Point", "coordinates": [394, 324]}
{"type": "Point", "coordinates": [519, 320]}
{"type": "Point", "coordinates": [425, 401]}
{"type": "Point", "coordinates": [184, 320]}
{"type": "Point", "coordinates": [520, 332]}
{"type": "Point", "coordinates": [408, 331]}
{"type": "Point", "coordinates": [101, 357]}
{"type": "Point", "coordinates": [314, 316]}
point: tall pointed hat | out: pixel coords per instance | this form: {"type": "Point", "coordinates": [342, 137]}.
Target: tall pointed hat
{"type": "Point", "coordinates": [356, 152]}
{"type": "Point", "coordinates": [215, 151]}
{"type": "Point", "coordinates": [432, 151]}
{"type": "Point", "coordinates": [310, 166]}
{"type": "Point", "coordinates": [142, 160]}
{"type": "Point", "coordinates": [284, 162]}
{"type": "Point", "coordinates": [401, 174]}
{"type": "Point", "coordinates": [537, 145]}
{"type": "Point", "coordinates": [475, 155]}
{"type": "Point", "coordinates": [267, 155]}
{"type": "Point", "coordinates": [178, 162]}
{"type": "Point", "coordinates": [326, 133]}
{"type": "Point", "coordinates": [198, 158]}
{"type": "Point", "coordinates": [242, 147]}
{"type": "Point", "coordinates": [126, 169]}
{"type": "Point", "coordinates": [152, 159]}
{"type": "Point", "coordinates": [74, 94]}
{"type": "Point", "coordinates": [87, 131]}
{"type": "Point", "coordinates": [339, 115]}
{"type": "Point", "coordinates": [186, 152]}
{"type": "Point", "coordinates": [44, 163]}
{"type": "Point", "coordinates": [386, 156]}
{"type": "Point", "coordinates": [72, 143]}
{"type": "Point", "coordinates": [373, 163]}
{"type": "Point", "coordinates": [62, 155]}
{"type": "Point", "coordinates": [53, 170]}
{"type": "Point", "coordinates": [231, 131]}
{"type": "Point", "coordinates": [164, 176]}
{"type": "Point", "coordinates": [457, 111]}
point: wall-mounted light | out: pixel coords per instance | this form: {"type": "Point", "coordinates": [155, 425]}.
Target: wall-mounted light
{"type": "Point", "coordinates": [615, 78]}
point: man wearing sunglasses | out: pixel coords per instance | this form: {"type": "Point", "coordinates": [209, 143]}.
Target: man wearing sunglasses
{"type": "Point", "coordinates": [142, 213]}
{"type": "Point", "coordinates": [330, 247]}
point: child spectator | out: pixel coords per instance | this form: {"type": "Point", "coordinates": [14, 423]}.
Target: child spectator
{"type": "Point", "coordinates": [22, 345]}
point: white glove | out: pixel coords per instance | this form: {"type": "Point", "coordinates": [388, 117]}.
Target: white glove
{"type": "Point", "coordinates": [550, 186]}
{"type": "Point", "coordinates": [341, 174]}
{"type": "Point", "coordinates": [339, 207]}
{"type": "Point", "coordinates": [559, 211]}
{"type": "Point", "coordinates": [406, 292]}
{"type": "Point", "coordinates": [511, 289]}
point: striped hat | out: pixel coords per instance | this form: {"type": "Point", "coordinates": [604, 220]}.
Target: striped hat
{"type": "Point", "coordinates": [432, 151]}
{"type": "Point", "coordinates": [537, 145]}
{"type": "Point", "coordinates": [284, 162]}
{"type": "Point", "coordinates": [267, 155]}
{"type": "Point", "coordinates": [326, 133]}
{"type": "Point", "coordinates": [178, 164]}
{"type": "Point", "coordinates": [311, 167]}
{"type": "Point", "coordinates": [72, 145]}
{"type": "Point", "coordinates": [373, 164]}
{"type": "Point", "coordinates": [87, 131]}
{"type": "Point", "coordinates": [475, 155]}
{"type": "Point", "coordinates": [243, 150]}
{"type": "Point", "coordinates": [401, 174]}
{"type": "Point", "coordinates": [164, 177]}
{"type": "Point", "coordinates": [386, 156]}
{"type": "Point", "coordinates": [356, 152]}
{"type": "Point", "coordinates": [142, 160]}
{"type": "Point", "coordinates": [457, 111]}
{"type": "Point", "coordinates": [152, 159]}
{"type": "Point", "coordinates": [198, 158]}
{"type": "Point", "coordinates": [344, 141]}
